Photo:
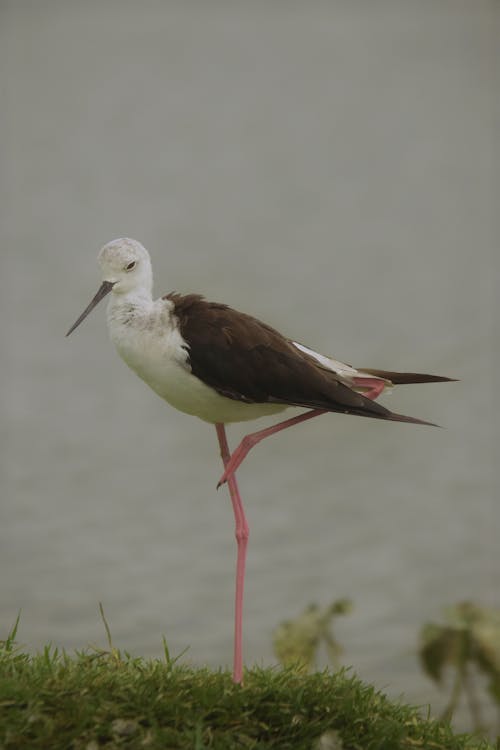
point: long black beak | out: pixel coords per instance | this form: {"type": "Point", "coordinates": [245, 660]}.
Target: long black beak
{"type": "Point", "coordinates": [104, 289]}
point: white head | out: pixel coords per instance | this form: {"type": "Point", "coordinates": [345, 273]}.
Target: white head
{"type": "Point", "coordinates": [125, 263]}
{"type": "Point", "coordinates": [126, 268]}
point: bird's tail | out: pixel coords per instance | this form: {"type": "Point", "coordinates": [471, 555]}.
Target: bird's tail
{"type": "Point", "coordinates": [403, 378]}
{"type": "Point", "coordinates": [395, 378]}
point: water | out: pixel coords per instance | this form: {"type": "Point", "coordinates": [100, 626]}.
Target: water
{"type": "Point", "coordinates": [325, 166]}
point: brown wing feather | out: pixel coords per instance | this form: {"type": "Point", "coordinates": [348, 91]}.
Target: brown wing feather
{"type": "Point", "coordinates": [247, 360]}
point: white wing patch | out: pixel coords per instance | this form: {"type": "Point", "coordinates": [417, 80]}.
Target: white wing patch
{"type": "Point", "coordinates": [340, 368]}
{"type": "Point", "coordinates": [344, 371]}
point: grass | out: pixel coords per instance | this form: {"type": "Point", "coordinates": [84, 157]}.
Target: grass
{"type": "Point", "coordinates": [89, 702]}
{"type": "Point", "coordinates": [106, 699]}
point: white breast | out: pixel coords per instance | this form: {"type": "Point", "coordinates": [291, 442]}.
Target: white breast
{"type": "Point", "coordinates": [151, 345]}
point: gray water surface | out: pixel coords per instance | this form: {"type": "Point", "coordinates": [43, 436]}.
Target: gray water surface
{"type": "Point", "coordinates": [327, 167]}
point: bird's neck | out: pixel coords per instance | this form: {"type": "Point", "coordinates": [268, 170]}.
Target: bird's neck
{"type": "Point", "coordinates": [127, 307]}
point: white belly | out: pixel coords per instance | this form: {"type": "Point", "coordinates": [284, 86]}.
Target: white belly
{"type": "Point", "coordinates": [162, 364]}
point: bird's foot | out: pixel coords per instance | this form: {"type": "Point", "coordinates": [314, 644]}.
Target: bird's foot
{"type": "Point", "coordinates": [237, 458]}
{"type": "Point", "coordinates": [224, 478]}
{"type": "Point", "coordinates": [369, 387]}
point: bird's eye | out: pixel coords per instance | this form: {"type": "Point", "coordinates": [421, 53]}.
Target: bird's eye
{"type": "Point", "coordinates": [130, 266]}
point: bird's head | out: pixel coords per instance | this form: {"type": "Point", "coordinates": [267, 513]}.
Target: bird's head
{"type": "Point", "coordinates": [126, 268]}
{"type": "Point", "coordinates": [125, 264]}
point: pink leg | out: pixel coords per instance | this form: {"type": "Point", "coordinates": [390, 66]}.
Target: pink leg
{"type": "Point", "coordinates": [231, 463]}
{"type": "Point", "coordinates": [242, 533]}
{"type": "Point", "coordinates": [249, 441]}
{"type": "Point", "coordinates": [374, 385]}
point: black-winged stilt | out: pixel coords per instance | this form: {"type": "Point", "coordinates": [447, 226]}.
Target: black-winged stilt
{"type": "Point", "coordinates": [222, 365]}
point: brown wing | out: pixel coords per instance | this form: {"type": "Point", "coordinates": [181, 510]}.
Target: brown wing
{"type": "Point", "coordinates": [247, 360]}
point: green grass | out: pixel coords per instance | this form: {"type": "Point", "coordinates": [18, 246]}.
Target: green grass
{"type": "Point", "coordinates": [109, 700]}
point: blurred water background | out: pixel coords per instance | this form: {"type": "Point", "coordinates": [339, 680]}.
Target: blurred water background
{"type": "Point", "coordinates": [326, 166]}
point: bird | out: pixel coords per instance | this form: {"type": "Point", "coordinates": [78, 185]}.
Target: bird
{"type": "Point", "coordinates": [223, 366]}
